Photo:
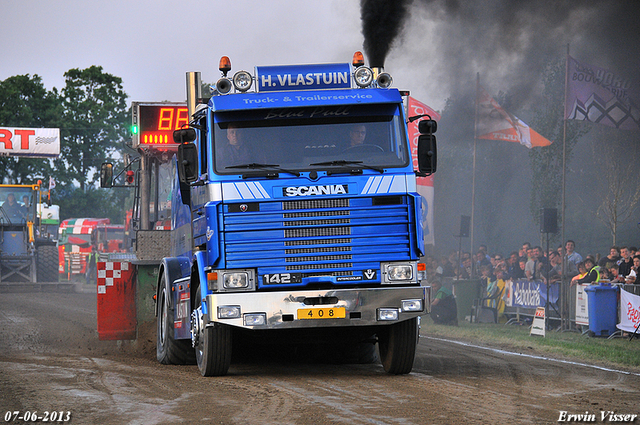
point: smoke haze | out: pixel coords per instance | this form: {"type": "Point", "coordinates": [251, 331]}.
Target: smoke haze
{"type": "Point", "coordinates": [508, 42]}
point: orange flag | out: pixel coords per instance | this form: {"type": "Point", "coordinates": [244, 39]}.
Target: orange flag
{"type": "Point", "coordinates": [494, 123]}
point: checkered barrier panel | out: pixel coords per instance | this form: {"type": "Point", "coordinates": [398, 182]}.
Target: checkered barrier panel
{"type": "Point", "coordinates": [109, 271]}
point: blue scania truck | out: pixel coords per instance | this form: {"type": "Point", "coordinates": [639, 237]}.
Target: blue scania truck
{"type": "Point", "coordinates": [295, 218]}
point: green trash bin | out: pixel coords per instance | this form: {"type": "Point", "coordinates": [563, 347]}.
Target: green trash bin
{"type": "Point", "coordinates": [465, 292]}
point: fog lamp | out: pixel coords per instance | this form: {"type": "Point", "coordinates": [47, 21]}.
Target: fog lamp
{"type": "Point", "coordinates": [255, 319]}
{"type": "Point", "coordinates": [388, 314]}
{"type": "Point", "coordinates": [229, 312]}
{"type": "Point", "coordinates": [411, 305]}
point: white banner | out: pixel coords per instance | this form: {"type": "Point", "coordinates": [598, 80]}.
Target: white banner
{"type": "Point", "coordinates": [582, 305]}
{"type": "Point", "coordinates": [629, 311]}
{"type": "Point", "coordinates": [30, 142]}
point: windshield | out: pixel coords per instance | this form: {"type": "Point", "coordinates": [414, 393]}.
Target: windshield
{"type": "Point", "coordinates": [75, 238]}
{"type": "Point", "coordinates": [17, 204]}
{"type": "Point", "coordinates": [297, 138]}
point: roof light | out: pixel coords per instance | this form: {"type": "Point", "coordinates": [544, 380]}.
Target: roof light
{"type": "Point", "coordinates": [363, 76]}
{"type": "Point", "coordinates": [225, 65]}
{"type": "Point", "coordinates": [358, 59]}
{"type": "Point", "coordinates": [242, 81]}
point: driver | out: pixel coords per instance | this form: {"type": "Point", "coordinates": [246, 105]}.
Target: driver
{"type": "Point", "coordinates": [12, 208]}
{"type": "Point", "coordinates": [239, 150]}
{"type": "Point", "coordinates": [233, 152]}
{"type": "Point", "coordinates": [357, 134]}
{"type": "Point", "coordinates": [25, 205]}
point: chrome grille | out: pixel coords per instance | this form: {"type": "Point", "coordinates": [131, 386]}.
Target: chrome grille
{"type": "Point", "coordinates": [316, 250]}
{"type": "Point", "coordinates": [319, 266]}
{"type": "Point", "coordinates": [314, 214]}
{"type": "Point", "coordinates": [318, 258]}
{"type": "Point", "coordinates": [314, 232]}
{"type": "Point", "coordinates": [315, 204]}
{"type": "Point", "coordinates": [318, 222]}
{"type": "Point", "coordinates": [318, 242]}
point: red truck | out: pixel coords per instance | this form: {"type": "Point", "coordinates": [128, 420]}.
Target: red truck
{"type": "Point", "coordinates": [78, 239]}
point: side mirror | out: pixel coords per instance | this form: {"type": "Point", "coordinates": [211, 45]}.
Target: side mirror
{"type": "Point", "coordinates": [427, 154]}
{"type": "Point", "coordinates": [427, 126]}
{"type": "Point", "coordinates": [106, 175]}
{"type": "Point", "coordinates": [187, 162]}
{"type": "Point", "coordinates": [185, 135]}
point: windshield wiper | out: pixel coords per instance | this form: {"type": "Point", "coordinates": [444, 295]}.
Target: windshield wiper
{"type": "Point", "coordinates": [342, 162]}
{"type": "Point", "coordinates": [258, 166]}
{"type": "Point", "coordinates": [4, 214]}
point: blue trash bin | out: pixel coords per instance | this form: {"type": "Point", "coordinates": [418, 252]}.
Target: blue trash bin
{"type": "Point", "coordinates": [603, 309]}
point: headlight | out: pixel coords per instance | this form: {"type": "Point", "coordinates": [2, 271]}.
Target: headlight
{"type": "Point", "coordinates": [387, 314]}
{"type": "Point", "coordinates": [229, 312]}
{"type": "Point", "coordinates": [236, 280]}
{"type": "Point", "coordinates": [363, 76]}
{"type": "Point", "coordinates": [399, 272]}
{"type": "Point", "coordinates": [411, 305]}
{"type": "Point", "coordinates": [242, 81]}
{"type": "Point", "coordinates": [231, 280]}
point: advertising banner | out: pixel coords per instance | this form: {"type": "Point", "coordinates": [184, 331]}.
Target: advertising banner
{"type": "Point", "coordinates": [30, 142]}
{"type": "Point", "coordinates": [582, 305]}
{"type": "Point", "coordinates": [601, 96]}
{"type": "Point", "coordinates": [629, 311]}
{"type": "Point", "coordinates": [532, 294]}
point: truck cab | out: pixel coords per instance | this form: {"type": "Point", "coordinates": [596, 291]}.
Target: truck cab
{"type": "Point", "coordinates": [294, 214]}
{"type": "Point", "coordinates": [27, 253]}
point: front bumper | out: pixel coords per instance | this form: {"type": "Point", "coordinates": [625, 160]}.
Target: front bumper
{"type": "Point", "coordinates": [280, 309]}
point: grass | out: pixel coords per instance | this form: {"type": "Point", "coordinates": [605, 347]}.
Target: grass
{"type": "Point", "coordinates": [616, 352]}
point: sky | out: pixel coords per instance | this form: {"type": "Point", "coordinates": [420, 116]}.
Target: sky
{"type": "Point", "coordinates": [440, 48]}
{"type": "Point", "coordinates": [151, 44]}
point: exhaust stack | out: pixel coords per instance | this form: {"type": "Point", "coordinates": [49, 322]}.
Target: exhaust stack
{"type": "Point", "coordinates": [194, 91]}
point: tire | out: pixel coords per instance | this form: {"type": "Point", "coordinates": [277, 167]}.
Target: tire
{"type": "Point", "coordinates": [168, 349]}
{"type": "Point", "coordinates": [47, 263]}
{"type": "Point", "coordinates": [213, 347]}
{"type": "Point", "coordinates": [397, 346]}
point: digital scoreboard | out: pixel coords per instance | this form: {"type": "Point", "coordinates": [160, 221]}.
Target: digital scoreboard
{"type": "Point", "coordinates": [153, 123]}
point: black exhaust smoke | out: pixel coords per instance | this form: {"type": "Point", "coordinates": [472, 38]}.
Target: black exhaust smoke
{"type": "Point", "coordinates": [382, 21]}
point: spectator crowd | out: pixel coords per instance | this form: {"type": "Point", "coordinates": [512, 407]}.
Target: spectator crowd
{"type": "Point", "coordinates": [620, 265]}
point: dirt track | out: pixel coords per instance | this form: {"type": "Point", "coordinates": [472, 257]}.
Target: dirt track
{"type": "Point", "coordinates": [52, 360]}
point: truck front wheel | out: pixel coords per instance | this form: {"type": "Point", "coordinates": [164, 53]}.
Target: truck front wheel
{"type": "Point", "coordinates": [168, 349]}
{"type": "Point", "coordinates": [397, 345]}
{"type": "Point", "coordinates": [213, 345]}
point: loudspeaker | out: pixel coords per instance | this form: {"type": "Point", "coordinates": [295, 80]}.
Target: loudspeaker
{"type": "Point", "coordinates": [548, 220]}
{"type": "Point", "coordinates": [465, 224]}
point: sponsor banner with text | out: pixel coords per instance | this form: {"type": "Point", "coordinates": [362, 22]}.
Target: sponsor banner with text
{"type": "Point", "coordinates": [30, 142]}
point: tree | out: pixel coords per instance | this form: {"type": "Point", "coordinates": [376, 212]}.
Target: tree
{"type": "Point", "coordinates": [618, 168]}
{"type": "Point", "coordinates": [95, 117]}
{"type": "Point", "coordinates": [25, 102]}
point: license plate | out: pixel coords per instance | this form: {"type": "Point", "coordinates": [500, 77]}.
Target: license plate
{"type": "Point", "coordinates": [322, 313]}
